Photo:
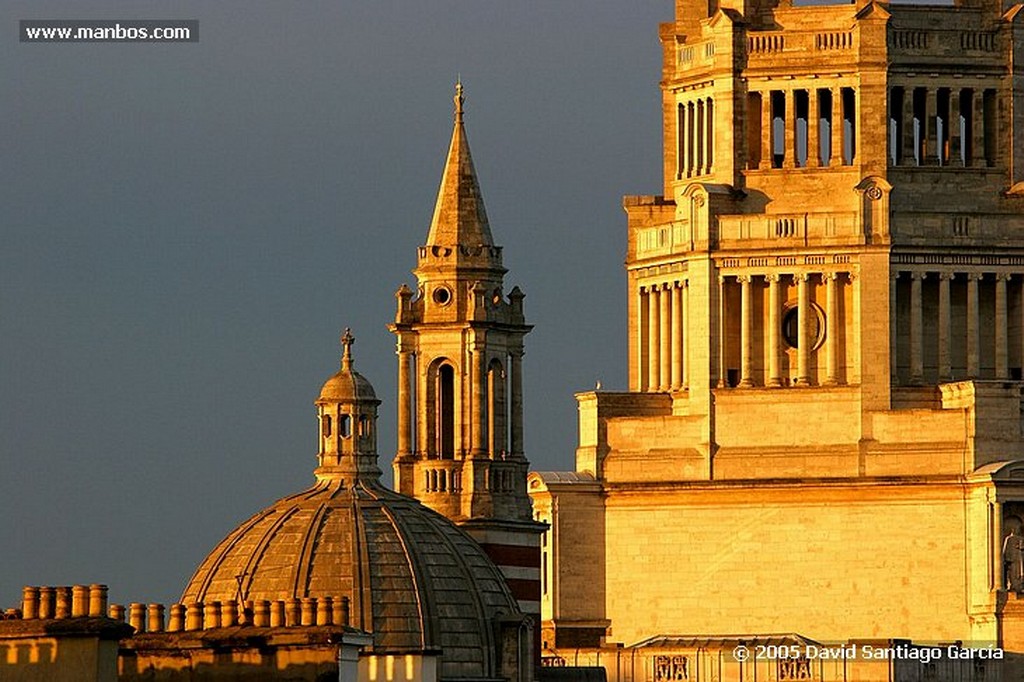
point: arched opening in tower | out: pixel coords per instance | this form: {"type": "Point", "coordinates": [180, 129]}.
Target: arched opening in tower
{"type": "Point", "coordinates": [446, 412]}
{"type": "Point", "coordinates": [496, 410]}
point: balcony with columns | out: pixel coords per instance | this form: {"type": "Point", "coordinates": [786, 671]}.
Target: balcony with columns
{"type": "Point", "coordinates": [764, 341]}
{"type": "Point", "coordinates": [958, 349]}
{"type": "Point", "coordinates": [767, 341]}
{"type": "Point", "coordinates": [947, 125]}
{"type": "Point", "coordinates": [662, 362]}
{"type": "Point", "coordinates": [801, 127]}
{"type": "Point", "coordinates": [955, 325]}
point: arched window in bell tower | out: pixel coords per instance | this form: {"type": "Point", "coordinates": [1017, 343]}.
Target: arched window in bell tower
{"type": "Point", "coordinates": [496, 410]}
{"type": "Point", "coordinates": [445, 412]}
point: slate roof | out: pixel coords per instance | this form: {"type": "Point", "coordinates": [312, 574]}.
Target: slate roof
{"type": "Point", "coordinates": [414, 580]}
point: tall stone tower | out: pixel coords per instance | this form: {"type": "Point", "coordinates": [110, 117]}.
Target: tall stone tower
{"type": "Point", "coordinates": [460, 409]}
{"type": "Point", "coordinates": [826, 339]}
{"type": "Point", "coordinates": [841, 186]}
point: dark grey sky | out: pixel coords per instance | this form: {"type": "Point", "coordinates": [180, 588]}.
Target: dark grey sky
{"type": "Point", "coordinates": [186, 229]}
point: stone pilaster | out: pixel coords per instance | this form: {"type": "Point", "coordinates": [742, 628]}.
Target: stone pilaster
{"type": "Point", "coordinates": [676, 378]}
{"type": "Point", "coordinates": [916, 328]}
{"type": "Point", "coordinates": [774, 330]}
{"type": "Point", "coordinates": [973, 326]}
{"type": "Point", "coordinates": [665, 337]}
{"type": "Point", "coordinates": [746, 332]}
{"type": "Point", "coordinates": [1001, 328]}
{"type": "Point", "coordinates": [803, 345]}
{"type": "Point", "coordinates": [945, 369]}
{"type": "Point", "coordinates": [832, 329]}
{"type": "Point", "coordinates": [653, 342]}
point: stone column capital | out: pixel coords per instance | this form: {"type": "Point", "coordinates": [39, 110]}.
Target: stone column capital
{"type": "Point", "coordinates": [915, 275]}
{"type": "Point", "coordinates": [947, 276]}
{"type": "Point", "coordinates": [744, 279]}
{"type": "Point", "coordinates": [1003, 276]}
{"type": "Point", "coordinates": [773, 277]}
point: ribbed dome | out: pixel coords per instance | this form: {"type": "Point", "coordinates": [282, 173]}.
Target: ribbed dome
{"type": "Point", "coordinates": [347, 385]}
{"type": "Point", "coordinates": [413, 578]}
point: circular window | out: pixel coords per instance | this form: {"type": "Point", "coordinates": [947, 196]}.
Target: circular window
{"type": "Point", "coordinates": [791, 327]}
{"type": "Point", "coordinates": [442, 295]}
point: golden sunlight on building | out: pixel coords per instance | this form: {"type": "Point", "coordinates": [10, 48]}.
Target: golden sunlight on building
{"type": "Point", "coordinates": [826, 338]}
{"type": "Point", "coordinates": [817, 470]}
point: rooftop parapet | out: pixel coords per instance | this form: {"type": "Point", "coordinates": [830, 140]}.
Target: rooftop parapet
{"type": "Point", "coordinates": [80, 601]}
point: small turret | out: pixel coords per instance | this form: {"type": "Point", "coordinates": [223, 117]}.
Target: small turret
{"type": "Point", "coordinates": [347, 413]}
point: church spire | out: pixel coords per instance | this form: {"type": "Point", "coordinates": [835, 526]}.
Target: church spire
{"type": "Point", "coordinates": [460, 344]}
{"type": "Point", "coordinates": [459, 216]}
{"type": "Point", "coordinates": [460, 379]}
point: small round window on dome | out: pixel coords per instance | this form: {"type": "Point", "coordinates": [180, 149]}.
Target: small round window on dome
{"type": "Point", "coordinates": [442, 295]}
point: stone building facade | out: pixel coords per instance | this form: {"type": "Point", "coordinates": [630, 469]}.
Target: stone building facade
{"type": "Point", "coordinates": [822, 432]}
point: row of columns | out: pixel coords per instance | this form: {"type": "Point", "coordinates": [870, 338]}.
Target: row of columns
{"type": "Point", "coordinates": [661, 346]}
{"type": "Point", "coordinates": [695, 137]}
{"type": "Point", "coordinates": [942, 126]}
{"type": "Point", "coordinates": [816, 106]}
{"type": "Point", "coordinates": [481, 394]}
{"type": "Point", "coordinates": [774, 322]}
{"type": "Point", "coordinates": [973, 341]}
{"type": "Point", "coordinates": [667, 367]}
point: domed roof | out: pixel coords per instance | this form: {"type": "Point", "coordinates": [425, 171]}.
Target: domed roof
{"type": "Point", "coordinates": [414, 580]}
{"type": "Point", "coordinates": [347, 385]}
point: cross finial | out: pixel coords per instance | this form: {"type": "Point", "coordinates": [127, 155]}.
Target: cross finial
{"type": "Point", "coordinates": [459, 99]}
{"type": "Point", "coordinates": [347, 340]}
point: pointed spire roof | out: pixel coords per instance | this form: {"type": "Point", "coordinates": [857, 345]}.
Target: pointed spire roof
{"type": "Point", "coordinates": [459, 215]}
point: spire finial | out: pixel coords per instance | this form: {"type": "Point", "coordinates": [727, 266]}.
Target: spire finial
{"type": "Point", "coordinates": [347, 340]}
{"type": "Point", "coordinates": [459, 99]}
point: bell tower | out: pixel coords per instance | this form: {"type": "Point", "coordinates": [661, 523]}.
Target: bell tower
{"type": "Point", "coordinates": [460, 407]}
